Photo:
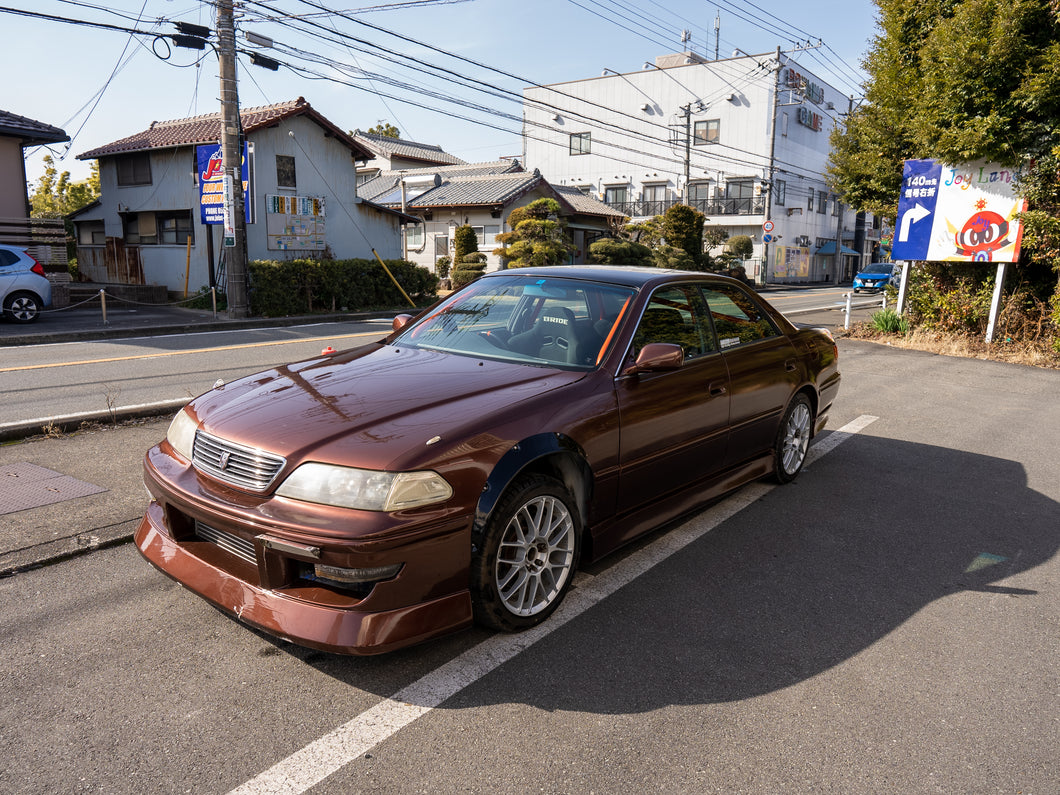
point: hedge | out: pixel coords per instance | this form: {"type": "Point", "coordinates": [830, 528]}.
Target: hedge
{"type": "Point", "coordinates": [295, 287]}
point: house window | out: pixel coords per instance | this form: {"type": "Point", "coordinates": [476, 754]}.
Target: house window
{"type": "Point", "coordinates": [414, 235]}
{"type": "Point", "coordinates": [487, 236]}
{"type": "Point", "coordinates": [138, 229]}
{"type": "Point", "coordinates": [706, 132]}
{"type": "Point", "coordinates": [835, 205]}
{"type": "Point", "coordinates": [285, 173]}
{"type": "Point", "coordinates": [653, 193]}
{"type": "Point", "coordinates": [134, 169]}
{"type": "Point", "coordinates": [809, 203]}
{"type": "Point", "coordinates": [588, 190]}
{"type": "Point", "coordinates": [784, 124]}
{"type": "Point", "coordinates": [780, 192]}
{"type": "Point", "coordinates": [91, 233]}
{"type": "Point", "coordinates": [876, 222]}
{"type": "Point", "coordinates": [739, 196]}
{"type": "Point", "coordinates": [579, 143]}
{"type": "Point", "coordinates": [174, 228]}
{"type": "Point", "coordinates": [616, 195]}
{"type": "Point", "coordinates": [822, 201]}
{"type": "Point", "coordinates": [698, 192]}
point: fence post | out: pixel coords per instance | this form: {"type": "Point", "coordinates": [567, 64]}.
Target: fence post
{"type": "Point", "coordinates": [846, 321]}
{"type": "Point", "coordinates": [103, 304]}
{"type": "Point", "coordinates": [213, 300]}
{"type": "Point", "coordinates": [884, 299]}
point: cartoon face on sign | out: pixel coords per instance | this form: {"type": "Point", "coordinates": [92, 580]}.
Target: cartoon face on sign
{"type": "Point", "coordinates": [983, 233]}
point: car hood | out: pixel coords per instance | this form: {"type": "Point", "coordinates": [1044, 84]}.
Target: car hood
{"type": "Point", "coordinates": [374, 407]}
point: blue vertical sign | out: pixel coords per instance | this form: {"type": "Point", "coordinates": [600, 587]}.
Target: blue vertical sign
{"type": "Point", "coordinates": [916, 209]}
{"type": "Point", "coordinates": [211, 183]}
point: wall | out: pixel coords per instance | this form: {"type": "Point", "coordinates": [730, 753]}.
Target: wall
{"type": "Point", "coordinates": [12, 179]}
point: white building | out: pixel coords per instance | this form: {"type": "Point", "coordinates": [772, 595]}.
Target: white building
{"type": "Point", "coordinates": [745, 140]}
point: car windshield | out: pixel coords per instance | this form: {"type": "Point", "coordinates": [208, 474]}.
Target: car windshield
{"type": "Point", "coordinates": [556, 322]}
{"type": "Point", "coordinates": [878, 268]}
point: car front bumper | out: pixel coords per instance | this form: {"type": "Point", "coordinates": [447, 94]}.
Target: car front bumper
{"type": "Point", "coordinates": [264, 587]}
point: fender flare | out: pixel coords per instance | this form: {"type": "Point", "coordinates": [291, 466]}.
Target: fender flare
{"type": "Point", "coordinates": [568, 457]}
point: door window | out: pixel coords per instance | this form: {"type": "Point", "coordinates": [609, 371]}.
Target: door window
{"type": "Point", "coordinates": [675, 315]}
{"type": "Point", "coordinates": [738, 319]}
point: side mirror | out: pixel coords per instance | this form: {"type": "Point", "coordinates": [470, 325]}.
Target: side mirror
{"type": "Point", "coordinates": [400, 322]}
{"type": "Point", "coordinates": [657, 357]}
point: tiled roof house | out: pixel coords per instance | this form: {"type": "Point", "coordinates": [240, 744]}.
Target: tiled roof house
{"type": "Point", "coordinates": [302, 197]}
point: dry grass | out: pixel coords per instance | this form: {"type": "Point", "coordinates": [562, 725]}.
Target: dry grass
{"type": "Point", "coordinates": [966, 346]}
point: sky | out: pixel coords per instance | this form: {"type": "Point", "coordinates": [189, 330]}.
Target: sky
{"type": "Point", "coordinates": [445, 72]}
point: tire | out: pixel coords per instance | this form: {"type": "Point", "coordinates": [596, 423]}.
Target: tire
{"type": "Point", "coordinates": [793, 439]}
{"type": "Point", "coordinates": [22, 307]}
{"type": "Point", "coordinates": [526, 555]}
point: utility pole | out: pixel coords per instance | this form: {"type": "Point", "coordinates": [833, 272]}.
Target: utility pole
{"type": "Point", "coordinates": [232, 161]}
{"type": "Point", "coordinates": [772, 163]}
{"type": "Point", "coordinates": [688, 147]}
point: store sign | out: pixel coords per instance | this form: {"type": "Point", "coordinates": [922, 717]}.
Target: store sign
{"type": "Point", "coordinates": [211, 184]}
{"type": "Point", "coordinates": [797, 81]}
{"type": "Point", "coordinates": [807, 118]}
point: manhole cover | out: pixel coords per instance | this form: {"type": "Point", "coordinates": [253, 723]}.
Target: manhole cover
{"type": "Point", "coordinates": [24, 486]}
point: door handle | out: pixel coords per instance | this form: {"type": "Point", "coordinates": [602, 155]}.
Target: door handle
{"type": "Point", "coordinates": [716, 389]}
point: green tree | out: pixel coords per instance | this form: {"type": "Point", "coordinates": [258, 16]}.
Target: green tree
{"type": "Point", "coordinates": [465, 242]}
{"type": "Point", "coordinates": [741, 246]}
{"type": "Point", "coordinates": [386, 129]}
{"type": "Point", "coordinates": [538, 236]}
{"type": "Point", "coordinates": [56, 196]}
{"type": "Point", "coordinates": [955, 80]}
{"type": "Point", "coordinates": [682, 227]}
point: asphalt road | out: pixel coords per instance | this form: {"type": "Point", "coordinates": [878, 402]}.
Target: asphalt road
{"type": "Point", "coordinates": [887, 623]}
{"type": "Point", "coordinates": [64, 382]}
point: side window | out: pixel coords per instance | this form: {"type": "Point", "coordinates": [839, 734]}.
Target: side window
{"type": "Point", "coordinates": [738, 319]}
{"type": "Point", "coordinates": [676, 315]}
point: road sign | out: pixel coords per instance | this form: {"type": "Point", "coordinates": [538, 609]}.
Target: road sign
{"type": "Point", "coordinates": [965, 213]}
{"type": "Point", "coordinates": [916, 208]}
{"type": "Point", "coordinates": [767, 238]}
{"type": "Point", "coordinates": [767, 226]}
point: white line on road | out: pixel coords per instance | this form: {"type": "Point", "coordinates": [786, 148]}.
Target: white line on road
{"type": "Point", "coordinates": [322, 757]}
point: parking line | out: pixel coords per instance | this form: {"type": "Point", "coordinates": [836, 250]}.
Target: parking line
{"type": "Point", "coordinates": [330, 753]}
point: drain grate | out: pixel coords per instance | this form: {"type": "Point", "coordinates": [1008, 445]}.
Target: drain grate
{"type": "Point", "coordinates": [24, 486]}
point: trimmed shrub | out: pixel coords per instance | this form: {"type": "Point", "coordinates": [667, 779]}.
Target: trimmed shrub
{"type": "Point", "coordinates": [465, 242]}
{"type": "Point", "coordinates": [302, 286]}
{"type": "Point", "coordinates": [468, 269]}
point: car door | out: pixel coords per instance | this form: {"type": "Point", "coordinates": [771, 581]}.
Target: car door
{"type": "Point", "coordinates": [764, 369]}
{"type": "Point", "coordinates": [674, 424]}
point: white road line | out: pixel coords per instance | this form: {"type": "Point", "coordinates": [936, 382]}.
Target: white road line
{"type": "Point", "coordinates": [318, 760]}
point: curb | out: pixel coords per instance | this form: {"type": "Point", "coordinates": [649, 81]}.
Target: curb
{"type": "Point", "coordinates": [50, 552]}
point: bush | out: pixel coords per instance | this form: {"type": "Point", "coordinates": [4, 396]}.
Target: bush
{"type": "Point", "coordinates": [468, 269]}
{"type": "Point", "coordinates": [609, 251]}
{"type": "Point", "coordinates": [299, 286]}
{"type": "Point", "coordinates": [441, 267]}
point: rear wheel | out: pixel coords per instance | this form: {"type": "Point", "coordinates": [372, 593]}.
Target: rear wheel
{"type": "Point", "coordinates": [22, 307]}
{"type": "Point", "coordinates": [793, 439]}
{"type": "Point", "coordinates": [525, 555]}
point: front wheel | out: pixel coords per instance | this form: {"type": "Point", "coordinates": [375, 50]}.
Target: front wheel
{"type": "Point", "coordinates": [22, 307]}
{"type": "Point", "coordinates": [525, 555]}
{"type": "Point", "coordinates": [793, 439]}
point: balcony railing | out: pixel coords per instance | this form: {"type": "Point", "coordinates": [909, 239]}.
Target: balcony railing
{"type": "Point", "coordinates": [752, 205]}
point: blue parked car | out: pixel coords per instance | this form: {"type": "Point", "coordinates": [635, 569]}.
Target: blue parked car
{"type": "Point", "coordinates": [875, 277]}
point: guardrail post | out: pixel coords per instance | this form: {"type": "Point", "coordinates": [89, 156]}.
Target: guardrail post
{"type": "Point", "coordinates": [846, 310]}
{"type": "Point", "coordinates": [884, 299]}
{"type": "Point", "coordinates": [103, 305]}
{"type": "Point", "coordinates": [213, 300]}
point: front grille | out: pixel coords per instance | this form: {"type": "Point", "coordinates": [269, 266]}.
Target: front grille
{"type": "Point", "coordinates": [235, 464]}
{"type": "Point", "coordinates": [239, 547]}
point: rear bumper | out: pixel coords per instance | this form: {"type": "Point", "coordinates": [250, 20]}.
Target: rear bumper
{"type": "Point", "coordinates": [334, 629]}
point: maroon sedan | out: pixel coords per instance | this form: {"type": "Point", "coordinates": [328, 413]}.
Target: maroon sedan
{"type": "Point", "coordinates": [460, 469]}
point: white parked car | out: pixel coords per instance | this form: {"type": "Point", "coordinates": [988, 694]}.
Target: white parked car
{"type": "Point", "coordinates": [24, 289]}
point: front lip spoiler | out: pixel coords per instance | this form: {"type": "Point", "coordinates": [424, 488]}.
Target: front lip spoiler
{"type": "Point", "coordinates": [341, 631]}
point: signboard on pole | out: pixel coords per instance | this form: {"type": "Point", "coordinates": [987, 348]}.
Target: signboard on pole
{"type": "Point", "coordinates": [211, 184]}
{"type": "Point", "coordinates": [964, 213]}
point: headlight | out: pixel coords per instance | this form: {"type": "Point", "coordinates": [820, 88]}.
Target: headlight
{"type": "Point", "coordinates": [181, 434]}
{"type": "Point", "coordinates": [364, 489]}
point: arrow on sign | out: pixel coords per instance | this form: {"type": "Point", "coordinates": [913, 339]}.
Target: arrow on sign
{"type": "Point", "coordinates": [910, 217]}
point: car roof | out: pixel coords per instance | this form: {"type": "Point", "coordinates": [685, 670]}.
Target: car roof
{"type": "Point", "coordinates": [626, 275]}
